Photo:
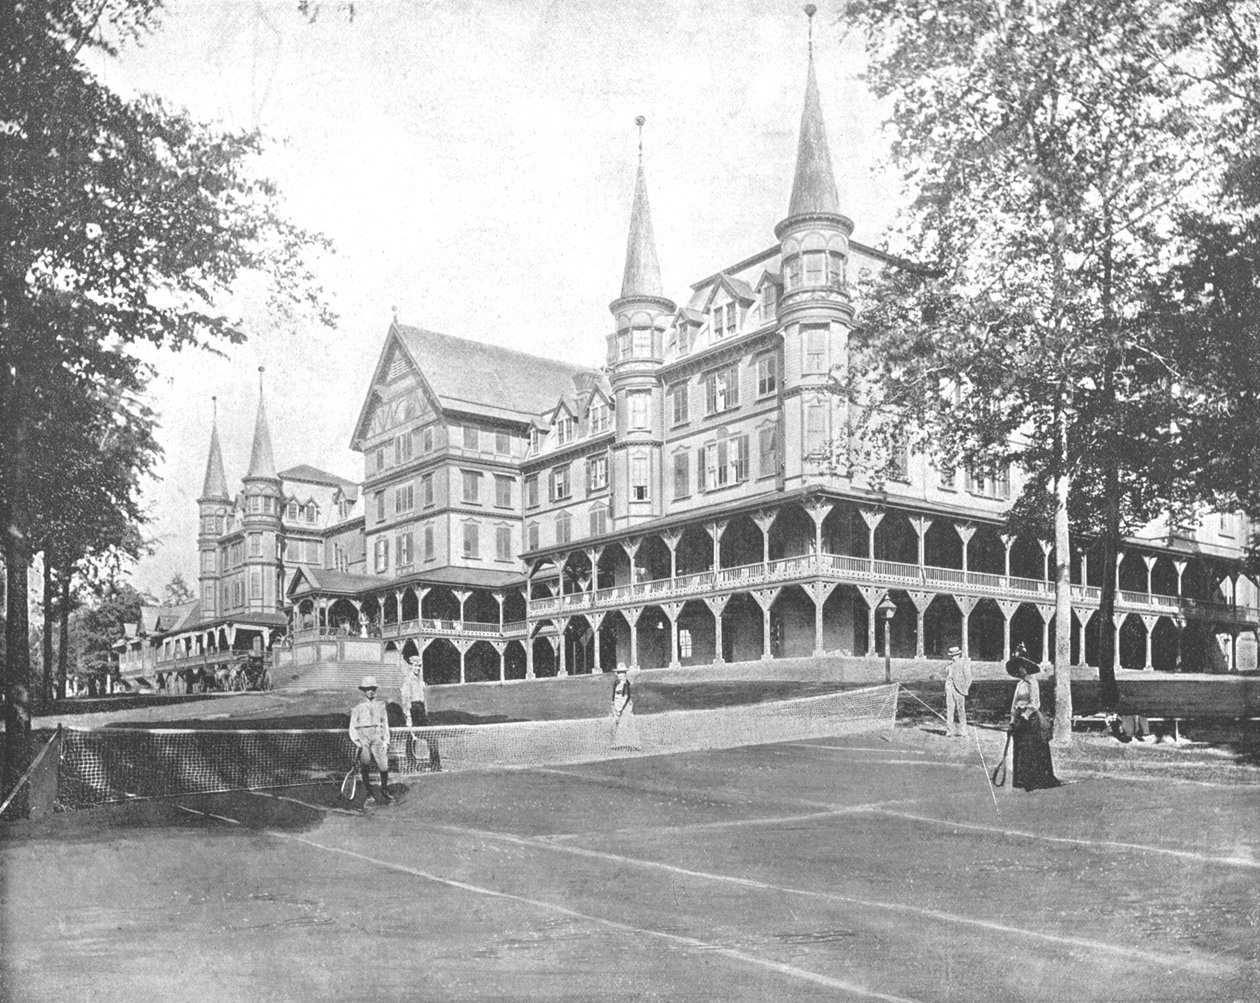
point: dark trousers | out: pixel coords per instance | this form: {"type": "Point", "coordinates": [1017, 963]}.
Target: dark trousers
{"type": "Point", "coordinates": [420, 719]}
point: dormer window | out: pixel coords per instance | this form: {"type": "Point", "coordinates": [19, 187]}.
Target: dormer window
{"type": "Point", "coordinates": [564, 430]}
{"type": "Point", "coordinates": [769, 302]}
{"type": "Point", "coordinates": [724, 320]}
{"type": "Point", "coordinates": [598, 417]}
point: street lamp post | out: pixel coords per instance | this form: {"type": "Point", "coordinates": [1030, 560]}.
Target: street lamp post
{"type": "Point", "coordinates": [887, 609]}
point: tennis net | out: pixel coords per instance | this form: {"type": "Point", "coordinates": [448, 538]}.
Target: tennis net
{"type": "Point", "coordinates": [113, 764]}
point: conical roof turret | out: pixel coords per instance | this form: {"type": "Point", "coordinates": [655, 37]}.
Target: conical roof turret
{"type": "Point", "coordinates": [262, 464]}
{"type": "Point", "coordinates": [215, 485]}
{"type": "Point", "coordinates": [642, 276]}
{"type": "Point", "coordinates": [814, 185]}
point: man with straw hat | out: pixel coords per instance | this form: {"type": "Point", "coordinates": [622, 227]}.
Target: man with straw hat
{"type": "Point", "coordinates": [957, 686]}
{"type": "Point", "coordinates": [369, 731]}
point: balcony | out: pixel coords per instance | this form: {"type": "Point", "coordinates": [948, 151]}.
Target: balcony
{"type": "Point", "coordinates": [887, 574]}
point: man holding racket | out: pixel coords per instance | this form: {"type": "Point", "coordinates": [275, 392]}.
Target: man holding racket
{"type": "Point", "coordinates": [369, 731]}
{"type": "Point", "coordinates": [957, 686]}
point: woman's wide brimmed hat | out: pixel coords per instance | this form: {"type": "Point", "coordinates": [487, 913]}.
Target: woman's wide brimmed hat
{"type": "Point", "coordinates": [1019, 666]}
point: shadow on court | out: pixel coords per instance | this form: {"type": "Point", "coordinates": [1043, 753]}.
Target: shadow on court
{"type": "Point", "coordinates": [870, 867]}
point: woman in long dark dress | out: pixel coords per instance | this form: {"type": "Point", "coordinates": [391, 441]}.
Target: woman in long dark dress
{"type": "Point", "coordinates": [1030, 729]}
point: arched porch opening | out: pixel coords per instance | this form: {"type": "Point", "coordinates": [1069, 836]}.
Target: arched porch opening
{"type": "Point", "coordinates": [1028, 560]}
{"type": "Point", "coordinates": [579, 647]}
{"type": "Point", "coordinates": [481, 663]}
{"type": "Point", "coordinates": [845, 531]}
{"type": "Point", "coordinates": [986, 552]}
{"type": "Point", "coordinates": [844, 619]}
{"type": "Point", "coordinates": [441, 662]}
{"type": "Point", "coordinates": [652, 559]}
{"type": "Point", "coordinates": [370, 618]}
{"type": "Point", "coordinates": [1028, 628]}
{"type": "Point", "coordinates": [942, 625]}
{"type": "Point", "coordinates": [513, 606]}
{"type": "Point", "coordinates": [545, 664]}
{"type": "Point", "coordinates": [389, 610]}
{"type": "Point", "coordinates": [343, 617]}
{"type": "Point", "coordinates": [480, 607]}
{"type": "Point", "coordinates": [895, 539]}
{"type": "Point", "coordinates": [792, 624]}
{"type": "Point", "coordinates": [1133, 573]}
{"type": "Point", "coordinates": [741, 629]}
{"type": "Point", "coordinates": [1165, 646]}
{"type": "Point", "coordinates": [695, 550]}
{"type": "Point", "coordinates": [791, 533]}
{"type": "Point", "coordinates": [1131, 643]}
{"type": "Point", "coordinates": [903, 628]}
{"type": "Point", "coordinates": [440, 604]}
{"type": "Point", "coordinates": [695, 634]}
{"type": "Point", "coordinates": [514, 660]}
{"type": "Point", "coordinates": [986, 628]}
{"type": "Point", "coordinates": [409, 611]}
{"type": "Point", "coordinates": [653, 637]}
{"type": "Point", "coordinates": [1164, 576]}
{"type": "Point", "coordinates": [942, 545]}
{"type": "Point", "coordinates": [741, 543]}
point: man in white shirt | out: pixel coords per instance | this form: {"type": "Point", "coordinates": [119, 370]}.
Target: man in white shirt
{"type": "Point", "coordinates": [957, 686]}
{"type": "Point", "coordinates": [412, 697]}
{"type": "Point", "coordinates": [369, 731]}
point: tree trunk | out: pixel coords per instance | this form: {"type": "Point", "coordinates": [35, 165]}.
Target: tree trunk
{"type": "Point", "coordinates": [1062, 592]}
{"type": "Point", "coordinates": [45, 695]}
{"type": "Point", "coordinates": [1108, 636]}
{"type": "Point", "coordinates": [63, 649]}
{"type": "Point", "coordinates": [17, 678]}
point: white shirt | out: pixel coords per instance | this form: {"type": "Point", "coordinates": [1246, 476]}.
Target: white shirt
{"type": "Point", "coordinates": [369, 723]}
{"type": "Point", "coordinates": [412, 690]}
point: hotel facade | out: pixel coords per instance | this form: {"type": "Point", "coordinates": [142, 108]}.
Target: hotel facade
{"type": "Point", "coordinates": [521, 517]}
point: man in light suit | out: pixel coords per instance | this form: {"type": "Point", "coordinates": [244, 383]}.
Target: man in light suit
{"type": "Point", "coordinates": [957, 686]}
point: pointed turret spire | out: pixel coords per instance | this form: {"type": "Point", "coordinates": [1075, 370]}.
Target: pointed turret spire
{"type": "Point", "coordinates": [642, 276]}
{"type": "Point", "coordinates": [216, 483]}
{"type": "Point", "coordinates": [814, 186]}
{"type": "Point", "coordinates": [261, 463]}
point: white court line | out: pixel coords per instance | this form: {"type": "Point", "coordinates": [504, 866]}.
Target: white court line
{"type": "Point", "coordinates": [734, 823]}
{"type": "Point", "coordinates": [1124, 951]}
{"type": "Point", "coordinates": [209, 814]}
{"type": "Point", "coordinates": [692, 942]}
{"type": "Point", "coordinates": [305, 804]}
{"type": "Point", "coordinates": [1187, 854]}
{"type": "Point", "coordinates": [853, 748]}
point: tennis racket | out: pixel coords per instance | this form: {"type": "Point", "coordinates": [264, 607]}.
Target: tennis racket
{"type": "Point", "coordinates": [998, 776]}
{"type": "Point", "coordinates": [350, 786]}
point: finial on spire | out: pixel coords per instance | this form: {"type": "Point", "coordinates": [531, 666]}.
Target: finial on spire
{"type": "Point", "coordinates": [810, 11]}
{"type": "Point", "coordinates": [639, 120]}
{"type": "Point", "coordinates": [260, 378]}
{"type": "Point", "coordinates": [214, 408]}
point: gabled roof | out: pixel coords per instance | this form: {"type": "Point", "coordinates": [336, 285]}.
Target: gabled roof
{"type": "Point", "coordinates": [472, 375]}
{"type": "Point", "coordinates": [313, 475]}
{"type": "Point", "coordinates": [327, 580]}
{"type": "Point", "coordinates": [774, 278]}
{"type": "Point", "coordinates": [164, 619]}
{"type": "Point", "coordinates": [737, 289]}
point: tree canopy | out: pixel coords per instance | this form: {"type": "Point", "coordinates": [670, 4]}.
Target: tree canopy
{"type": "Point", "coordinates": [1051, 150]}
{"type": "Point", "coordinates": [122, 222]}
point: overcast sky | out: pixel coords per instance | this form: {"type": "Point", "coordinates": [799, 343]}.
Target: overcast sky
{"type": "Point", "coordinates": [474, 165]}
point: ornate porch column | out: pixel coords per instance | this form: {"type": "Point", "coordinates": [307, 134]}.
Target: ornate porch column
{"type": "Point", "coordinates": [501, 647]}
{"type": "Point", "coordinates": [820, 592]}
{"type": "Point", "coordinates": [1008, 541]}
{"type": "Point", "coordinates": [1008, 608]}
{"type": "Point", "coordinates": [670, 538]}
{"type": "Point", "coordinates": [716, 529]}
{"type": "Point", "coordinates": [966, 604]}
{"type": "Point", "coordinates": [672, 610]}
{"type": "Point", "coordinates": [462, 596]}
{"type": "Point", "coordinates": [818, 510]}
{"type": "Point", "coordinates": [632, 618]}
{"type": "Point", "coordinates": [529, 652]}
{"type": "Point", "coordinates": [593, 555]}
{"type": "Point", "coordinates": [872, 517]}
{"type": "Point", "coordinates": [1149, 622]}
{"type": "Point", "coordinates": [765, 599]}
{"type": "Point", "coordinates": [873, 595]}
{"type": "Point", "coordinates": [765, 519]}
{"type": "Point", "coordinates": [463, 644]}
{"type": "Point", "coordinates": [1149, 560]}
{"type": "Point", "coordinates": [631, 547]}
{"type": "Point", "coordinates": [1180, 565]}
{"type": "Point", "coordinates": [965, 530]}
{"type": "Point", "coordinates": [499, 597]}
{"type": "Point", "coordinates": [921, 524]}
{"type": "Point", "coordinates": [1084, 569]}
{"type": "Point", "coordinates": [1046, 547]}
{"type": "Point", "coordinates": [595, 619]}
{"type": "Point", "coordinates": [562, 629]}
{"type": "Point", "coordinates": [716, 604]}
{"type": "Point", "coordinates": [921, 600]}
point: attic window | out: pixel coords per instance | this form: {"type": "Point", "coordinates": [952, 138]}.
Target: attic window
{"type": "Point", "coordinates": [598, 417]}
{"type": "Point", "coordinates": [564, 430]}
{"type": "Point", "coordinates": [769, 301]}
{"type": "Point", "coordinates": [724, 320]}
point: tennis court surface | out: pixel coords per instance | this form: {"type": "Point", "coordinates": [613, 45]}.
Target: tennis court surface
{"type": "Point", "coordinates": [873, 866]}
